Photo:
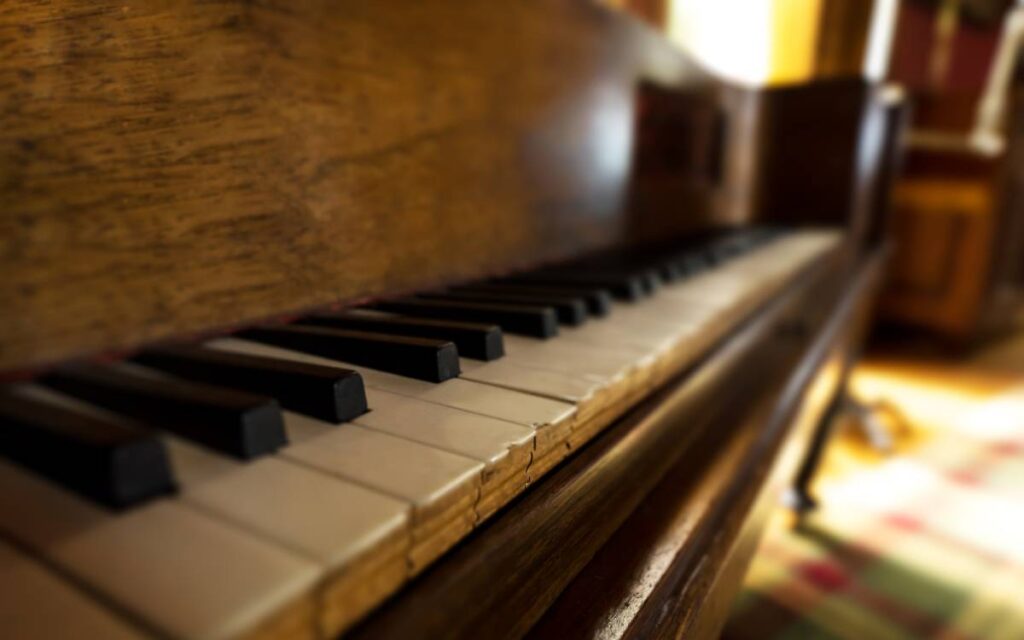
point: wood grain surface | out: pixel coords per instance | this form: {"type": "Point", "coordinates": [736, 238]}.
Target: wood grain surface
{"type": "Point", "coordinates": [173, 167]}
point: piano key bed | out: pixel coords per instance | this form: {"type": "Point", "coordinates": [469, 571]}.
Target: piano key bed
{"type": "Point", "coordinates": [283, 481]}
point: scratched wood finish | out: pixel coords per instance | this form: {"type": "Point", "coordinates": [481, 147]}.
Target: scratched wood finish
{"type": "Point", "coordinates": [178, 167]}
{"type": "Point", "coordinates": [541, 542]}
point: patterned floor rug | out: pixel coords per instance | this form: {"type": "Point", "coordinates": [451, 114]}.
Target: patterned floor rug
{"type": "Point", "coordinates": [927, 542]}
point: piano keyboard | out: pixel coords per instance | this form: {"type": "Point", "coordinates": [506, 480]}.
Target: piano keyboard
{"type": "Point", "coordinates": [282, 481]}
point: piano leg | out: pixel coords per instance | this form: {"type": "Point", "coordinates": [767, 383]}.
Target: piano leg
{"type": "Point", "coordinates": [799, 497]}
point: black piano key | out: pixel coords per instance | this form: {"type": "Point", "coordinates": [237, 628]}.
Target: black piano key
{"type": "Point", "coordinates": [669, 271]}
{"type": "Point", "coordinates": [649, 280]}
{"type": "Point", "coordinates": [422, 358]}
{"type": "Point", "coordinates": [727, 248]}
{"type": "Point", "coordinates": [538, 322]}
{"type": "Point", "coordinates": [709, 248]}
{"type": "Point", "coordinates": [664, 263]}
{"type": "Point", "coordinates": [690, 264]}
{"type": "Point", "coordinates": [571, 311]}
{"type": "Point", "coordinates": [629, 288]}
{"type": "Point", "coordinates": [598, 300]}
{"type": "Point", "coordinates": [720, 253]}
{"type": "Point", "coordinates": [334, 394]}
{"type": "Point", "coordinates": [232, 422]}
{"type": "Point", "coordinates": [109, 462]}
{"type": "Point", "coordinates": [473, 339]}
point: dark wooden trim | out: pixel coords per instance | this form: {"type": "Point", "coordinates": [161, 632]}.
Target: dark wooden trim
{"type": "Point", "coordinates": [500, 581]}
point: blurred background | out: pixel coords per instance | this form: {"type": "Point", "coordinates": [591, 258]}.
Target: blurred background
{"type": "Point", "coordinates": [915, 523]}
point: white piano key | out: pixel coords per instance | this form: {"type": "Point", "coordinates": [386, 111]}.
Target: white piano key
{"type": "Point", "coordinates": [607, 362]}
{"type": "Point", "coordinates": [359, 537]}
{"type": "Point", "coordinates": [352, 532]}
{"type": "Point", "coordinates": [37, 604]}
{"type": "Point", "coordinates": [578, 390]}
{"type": "Point", "coordinates": [648, 339]}
{"type": "Point", "coordinates": [184, 573]}
{"type": "Point", "coordinates": [280, 500]}
{"type": "Point", "coordinates": [621, 370]}
{"type": "Point", "coordinates": [443, 488]}
{"type": "Point", "coordinates": [397, 466]}
{"type": "Point", "coordinates": [310, 512]}
{"type": "Point", "coordinates": [369, 507]}
{"type": "Point", "coordinates": [550, 418]}
{"type": "Point", "coordinates": [505, 448]}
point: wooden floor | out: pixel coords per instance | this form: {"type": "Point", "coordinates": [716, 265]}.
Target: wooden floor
{"type": "Point", "coordinates": [927, 542]}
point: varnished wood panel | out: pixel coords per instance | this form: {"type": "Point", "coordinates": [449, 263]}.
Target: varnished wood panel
{"type": "Point", "coordinates": [176, 167]}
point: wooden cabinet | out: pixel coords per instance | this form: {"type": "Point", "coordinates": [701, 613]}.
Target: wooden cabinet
{"type": "Point", "coordinates": [942, 231]}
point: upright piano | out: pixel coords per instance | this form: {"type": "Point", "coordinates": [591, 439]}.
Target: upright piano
{"type": "Point", "coordinates": [397, 320]}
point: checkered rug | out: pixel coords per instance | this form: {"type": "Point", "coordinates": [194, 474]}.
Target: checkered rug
{"type": "Point", "coordinates": [925, 543]}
